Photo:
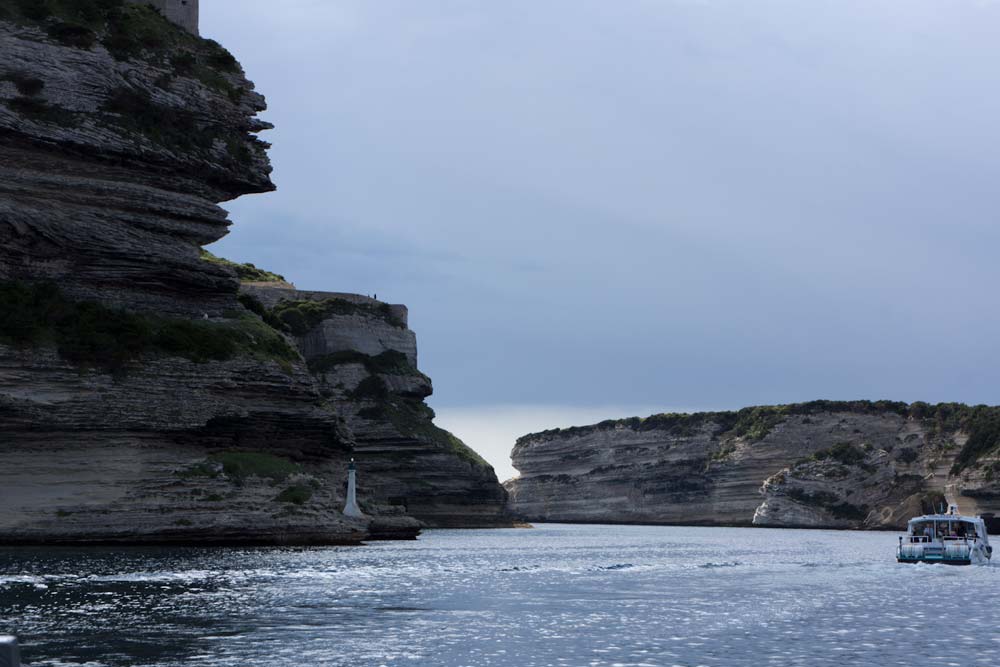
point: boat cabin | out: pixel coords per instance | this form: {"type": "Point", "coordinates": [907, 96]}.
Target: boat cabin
{"type": "Point", "coordinates": [944, 538]}
{"type": "Point", "coordinates": [945, 527]}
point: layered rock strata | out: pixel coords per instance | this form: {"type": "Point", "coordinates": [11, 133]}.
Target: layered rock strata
{"type": "Point", "coordinates": [821, 464]}
{"type": "Point", "coordinates": [365, 361]}
{"type": "Point", "coordinates": [117, 141]}
{"type": "Point", "coordinates": [142, 399]}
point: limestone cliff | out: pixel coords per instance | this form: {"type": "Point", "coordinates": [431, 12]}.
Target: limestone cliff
{"type": "Point", "coordinates": [142, 399]}
{"type": "Point", "coordinates": [364, 358]}
{"type": "Point", "coordinates": [821, 464]}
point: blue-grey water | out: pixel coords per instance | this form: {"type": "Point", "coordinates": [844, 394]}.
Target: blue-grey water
{"type": "Point", "coordinates": [557, 595]}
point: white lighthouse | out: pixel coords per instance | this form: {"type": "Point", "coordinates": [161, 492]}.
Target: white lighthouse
{"type": "Point", "coordinates": [351, 506]}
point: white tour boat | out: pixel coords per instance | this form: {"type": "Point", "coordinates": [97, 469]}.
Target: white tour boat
{"type": "Point", "coordinates": [945, 538]}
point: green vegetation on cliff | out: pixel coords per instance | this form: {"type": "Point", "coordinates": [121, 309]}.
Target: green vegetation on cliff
{"type": "Point", "coordinates": [301, 317]}
{"type": "Point", "coordinates": [298, 494]}
{"type": "Point", "coordinates": [92, 335]}
{"type": "Point", "coordinates": [241, 465]}
{"type": "Point", "coordinates": [843, 452]}
{"type": "Point", "coordinates": [246, 272]}
{"type": "Point", "coordinates": [167, 126]}
{"type": "Point", "coordinates": [980, 423]}
{"type": "Point", "coordinates": [415, 419]}
{"type": "Point", "coordinates": [252, 304]}
{"type": "Point", "coordinates": [127, 31]}
{"type": "Point", "coordinates": [137, 32]}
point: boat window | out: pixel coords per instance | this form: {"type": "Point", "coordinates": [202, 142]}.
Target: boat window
{"type": "Point", "coordinates": [943, 529]}
{"type": "Point", "coordinates": [922, 530]}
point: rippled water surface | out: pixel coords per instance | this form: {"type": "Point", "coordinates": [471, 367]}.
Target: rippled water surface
{"type": "Point", "coordinates": [576, 596]}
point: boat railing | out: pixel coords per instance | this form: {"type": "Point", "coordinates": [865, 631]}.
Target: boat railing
{"type": "Point", "coordinates": [926, 539]}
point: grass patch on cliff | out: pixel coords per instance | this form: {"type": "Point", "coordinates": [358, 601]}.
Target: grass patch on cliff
{"type": "Point", "coordinates": [982, 424]}
{"type": "Point", "coordinates": [40, 111]}
{"type": "Point", "coordinates": [757, 423]}
{"type": "Point", "coordinates": [415, 419]}
{"type": "Point", "coordinates": [301, 317]}
{"type": "Point", "coordinates": [136, 31]}
{"type": "Point", "coordinates": [29, 104]}
{"type": "Point", "coordinates": [135, 110]}
{"type": "Point", "coordinates": [246, 272]}
{"type": "Point", "coordinates": [254, 305]}
{"type": "Point", "coordinates": [842, 452]}
{"type": "Point", "coordinates": [299, 494]}
{"type": "Point", "coordinates": [127, 30]}
{"type": "Point", "coordinates": [88, 13]}
{"type": "Point", "coordinates": [372, 388]}
{"type": "Point", "coordinates": [25, 84]}
{"type": "Point", "coordinates": [72, 22]}
{"type": "Point", "coordinates": [92, 335]}
{"type": "Point", "coordinates": [754, 423]}
{"type": "Point", "coordinates": [240, 465]}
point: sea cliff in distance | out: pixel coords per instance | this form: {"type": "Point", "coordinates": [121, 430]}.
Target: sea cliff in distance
{"type": "Point", "coordinates": [824, 464]}
{"type": "Point", "coordinates": [149, 391]}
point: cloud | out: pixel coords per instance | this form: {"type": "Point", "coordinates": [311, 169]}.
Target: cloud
{"type": "Point", "coordinates": [698, 203]}
{"type": "Point", "coordinates": [493, 430]}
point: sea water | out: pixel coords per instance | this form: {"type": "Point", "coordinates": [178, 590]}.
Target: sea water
{"type": "Point", "coordinates": [552, 596]}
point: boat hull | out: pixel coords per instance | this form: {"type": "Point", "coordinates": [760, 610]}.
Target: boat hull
{"type": "Point", "coordinates": [975, 557]}
{"type": "Point", "coordinates": [936, 561]}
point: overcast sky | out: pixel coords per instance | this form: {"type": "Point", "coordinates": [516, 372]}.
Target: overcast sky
{"type": "Point", "coordinates": [603, 208]}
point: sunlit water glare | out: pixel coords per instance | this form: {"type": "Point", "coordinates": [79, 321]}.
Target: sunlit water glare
{"type": "Point", "coordinates": [557, 595]}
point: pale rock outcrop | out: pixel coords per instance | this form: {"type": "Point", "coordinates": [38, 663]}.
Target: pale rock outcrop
{"type": "Point", "coordinates": [848, 487]}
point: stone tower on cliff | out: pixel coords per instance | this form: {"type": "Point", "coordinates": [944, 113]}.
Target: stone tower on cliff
{"type": "Point", "coordinates": [182, 12]}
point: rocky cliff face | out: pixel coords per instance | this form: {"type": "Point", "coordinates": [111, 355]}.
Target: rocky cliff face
{"type": "Point", "coordinates": [364, 359]}
{"type": "Point", "coordinates": [822, 464]}
{"type": "Point", "coordinates": [119, 134]}
{"type": "Point", "coordinates": [141, 398]}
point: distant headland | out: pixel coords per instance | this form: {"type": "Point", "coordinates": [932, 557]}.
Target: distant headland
{"type": "Point", "coordinates": [824, 464]}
